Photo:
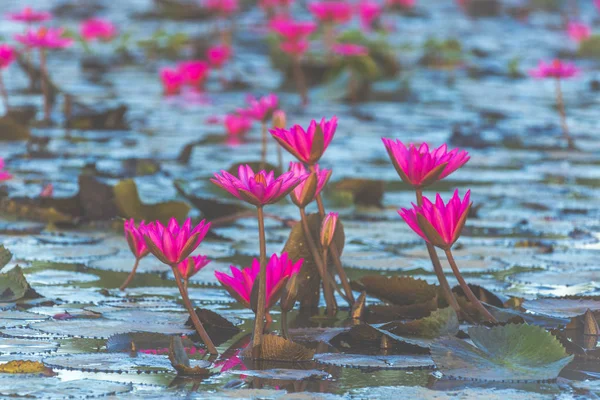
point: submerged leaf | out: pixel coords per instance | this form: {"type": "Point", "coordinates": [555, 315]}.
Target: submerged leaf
{"type": "Point", "coordinates": [503, 353]}
{"type": "Point", "coordinates": [217, 327]}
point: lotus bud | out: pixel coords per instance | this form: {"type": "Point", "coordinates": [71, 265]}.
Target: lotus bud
{"type": "Point", "coordinates": [328, 229]}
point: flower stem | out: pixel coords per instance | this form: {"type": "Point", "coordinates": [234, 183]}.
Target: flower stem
{"type": "Point", "coordinates": [263, 157]}
{"type": "Point", "coordinates": [284, 325]}
{"type": "Point", "coordinates": [300, 80]}
{"type": "Point", "coordinates": [563, 115]}
{"type": "Point", "coordinates": [437, 266]}
{"type": "Point", "coordinates": [321, 266]}
{"type": "Point", "coordinates": [194, 317]}
{"type": "Point", "coordinates": [4, 94]}
{"type": "Point", "coordinates": [280, 158]}
{"type": "Point", "coordinates": [259, 320]}
{"type": "Point", "coordinates": [45, 89]}
{"type": "Point", "coordinates": [466, 289]}
{"type": "Point", "coordinates": [131, 275]}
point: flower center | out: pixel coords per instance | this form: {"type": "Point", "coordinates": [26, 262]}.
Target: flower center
{"type": "Point", "coordinates": [260, 178]}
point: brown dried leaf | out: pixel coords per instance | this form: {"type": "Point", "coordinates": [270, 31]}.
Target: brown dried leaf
{"type": "Point", "coordinates": [276, 348]}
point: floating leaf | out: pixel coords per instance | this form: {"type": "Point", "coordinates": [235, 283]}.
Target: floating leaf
{"type": "Point", "coordinates": [562, 307]}
{"type": "Point", "coordinates": [375, 362]}
{"type": "Point", "coordinates": [217, 327]}
{"type": "Point", "coordinates": [398, 290]}
{"type": "Point", "coordinates": [103, 329]}
{"type": "Point", "coordinates": [130, 206]}
{"type": "Point", "coordinates": [384, 312]}
{"type": "Point", "coordinates": [440, 323]}
{"type": "Point", "coordinates": [22, 367]}
{"type": "Point", "coordinates": [111, 362]}
{"type": "Point", "coordinates": [366, 338]}
{"type": "Point", "coordinates": [57, 389]}
{"type": "Point", "coordinates": [416, 392]}
{"type": "Point", "coordinates": [141, 341]}
{"type": "Point", "coordinates": [285, 374]}
{"type": "Point", "coordinates": [503, 353]}
{"type": "Point", "coordinates": [276, 348]}
{"type": "Point", "coordinates": [24, 346]}
{"type": "Point", "coordinates": [45, 209]}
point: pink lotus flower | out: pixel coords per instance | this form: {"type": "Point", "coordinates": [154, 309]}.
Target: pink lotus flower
{"type": "Point", "coordinates": [96, 28]}
{"type": "Point", "coordinates": [191, 266]}
{"type": "Point", "coordinates": [172, 81]}
{"type": "Point", "coordinates": [29, 16]}
{"type": "Point", "coordinates": [173, 244]}
{"type": "Point", "coordinates": [337, 12]}
{"type": "Point", "coordinates": [578, 31]}
{"type": "Point", "coordinates": [307, 146]}
{"type": "Point", "coordinates": [45, 38]}
{"type": "Point", "coordinates": [240, 283]}
{"type": "Point", "coordinates": [369, 11]}
{"type": "Point", "coordinates": [223, 7]}
{"type": "Point", "coordinates": [47, 191]}
{"type": "Point", "coordinates": [194, 72]}
{"type": "Point", "coordinates": [218, 55]}
{"type": "Point", "coordinates": [404, 4]}
{"type": "Point", "coordinates": [260, 109]}
{"type": "Point", "coordinates": [135, 238]}
{"type": "Point", "coordinates": [4, 175]}
{"type": "Point", "coordinates": [438, 223]}
{"type": "Point", "coordinates": [328, 229]}
{"type": "Point", "coordinates": [310, 188]}
{"type": "Point", "coordinates": [421, 166]}
{"type": "Point", "coordinates": [7, 55]}
{"type": "Point", "coordinates": [237, 125]}
{"type": "Point", "coordinates": [350, 50]}
{"type": "Point", "coordinates": [296, 49]}
{"type": "Point", "coordinates": [556, 69]}
{"type": "Point", "coordinates": [292, 31]}
{"type": "Point", "coordinates": [258, 189]}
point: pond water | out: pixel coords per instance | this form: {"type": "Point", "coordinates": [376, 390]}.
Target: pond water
{"type": "Point", "coordinates": [535, 232]}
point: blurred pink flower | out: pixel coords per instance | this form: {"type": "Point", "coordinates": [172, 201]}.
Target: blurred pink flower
{"type": "Point", "coordinates": [7, 55]}
{"type": "Point", "coordinates": [331, 11]}
{"type": "Point", "coordinates": [578, 31]}
{"type": "Point", "coordinates": [173, 243]}
{"type": "Point", "coordinates": [291, 30]}
{"type": "Point", "coordinates": [555, 69]}
{"type": "Point", "coordinates": [296, 48]}
{"type": "Point", "coordinates": [4, 175]}
{"type": "Point", "coordinates": [307, 146]}
{"type": "Point", "coordinates": [29, 15]}
{"type": "Point", "coordinates": [223, 7]}
{"type": "Point", "coordinates": [369, 11]}
{"type": "Point", "coordinates": [350, 50]}
{"type": "Point", "coordinates": [46, 38]}
{"type": "Point", "coordinates": [172, 81]}
{"type": "Point", "coordinates": [218, 55]}
{"type": "Point", "coordinates": [438, 223]}
{"type": "Point", "coordinates": [194, 72]}
{"type": "Point", "coordinates": [97, 28]}
{"type": "Point", "coordinates": [47, 191]}
{"type": "Point", "coordinates": [261, 109]}
{"type": "Point", "coordinates": [237, 125]}
{"type": "Point", "coordinates": [240, 283]}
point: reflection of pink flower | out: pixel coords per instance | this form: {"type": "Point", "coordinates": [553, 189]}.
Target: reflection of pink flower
{"type": "Point", "coordinates": [7, 55]}
{"type": "Point", "coordinates": [28, 15]}
{"type": "Point", "coordinates": [47, 38]}
{"type": "Point", "coordinates": [96, 28]}
{"type": "Point", "coordinates": [172, 81]}
{"type": "Point", "coordinates": [4, 176]}
{"type": "Point", "coordinates": [231, 363]}
{"type": "Point", "coordinates": [578, 31]}
{"type": "Point", "coordinates": [369, 11]}
{"type": "Point", "coordinates": [555, 69]}
{"type": "Point", "coordinates": [350, 50]}
{"type": "Point", "coordinates": [331, 11]}
{"type": "Point", "coordinates": [237, 124]}
{"type": "Point", "coordinates": [218, 55]}
{"type": "Point", "coordinates": [194, 72]}
{"type": "Point", "coordinates": [223, 7]}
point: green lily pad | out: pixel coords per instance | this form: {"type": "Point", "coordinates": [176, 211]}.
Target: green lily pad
{"type": "Point", "coordinates": [103, 329]}
{"type": "Point", "coordinates": [24, 346]}
{"type": "Point", "coordinates": [130, 206]}
{"type": "Point", "coordinates": [441, 322]}
{"type": "Point", "coordinates": [504, 353]}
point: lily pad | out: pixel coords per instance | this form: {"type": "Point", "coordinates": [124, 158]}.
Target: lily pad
{"type": "Point", "coordinates": [562, 307]}
{"type": "Point", "coordinates": [504, 353]}
{"type": "Point", "coordinates": [55, 277]}
{"type": "Point", "coordinates": [285, 374]}
{"type": "Point", "coordinates": [276, 348]}
{"type": "Point", "coordinates": [398, 290]}
{"type": "Point", "coordinates": [55, 389]}
{"type": "Point", "coordinates": [122, 342]}
{"type": "Point", "coordinates": [360, 361]}
{"type": "Point", "coordinates": [24, 346]}
{"type": "Point", "coordinates": [441, 322]}
{"type": "Point", "coordinates": [103, 329]}
{"type": "Point", "coordinates": [111, 363]}
{"type": "Point", "coordinates": [410, 392]}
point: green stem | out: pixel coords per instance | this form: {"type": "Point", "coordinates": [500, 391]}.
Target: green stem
{"type": "Point", "coordinates": [45, 89]}
{"type": "Point", "coordinates": [259, 321]}
{"type": "Point", "coordinates": [563, 115]}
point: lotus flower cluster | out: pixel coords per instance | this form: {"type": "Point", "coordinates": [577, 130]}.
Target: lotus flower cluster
{"type": "Point", "coordinates": [218, 55]}
{"type": "Point", "coordinates": [350, 50]}
{"type": "Point", "coordinates": [369, 11]}
{"type": "Point", "coordinates": [556, 69]}
{"type": "Point", "coordinates": [259, 188]}
{"type": "Point", "coordinates": [420, 166]}
{"type": "Point", "coordinates": [241, 282]}
{"type": "Point", "coordinates": [237, 125]}
{"type": "Point", "coordinates": [307, 145]}
{"type": "Point", "coordinates": [97, 29]}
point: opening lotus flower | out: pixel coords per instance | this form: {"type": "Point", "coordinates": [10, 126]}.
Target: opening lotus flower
{"type": "Point", "coordinates": [237, 125]}
{"type": "Point", "coordinates": [135, 238]}
{"type": "Point", "coordinates": [98, 29]}
{"type": "Point", "coordinates": [421, 166]}
{"type": "Point", "coordinates": [4, 175]}
{"type": "Point", "coordinates": [306, 191]}
{"type": "Point", "coordinates": [368, 11]}
{"type": "Point", "coordinates": [258, 189]}
{"type": "Point", "coordinates": [218, 55]}
{"type": "Point", "coordinates": [194, 72]}
{"type": "Point", "coordinates": [172, 81]}
{"type": "Point", "coordinates": [350, 50]}
{"type": "Point", "coordinates": [578, 31]}
{"type": "Point", "coordinates": [438, 223]}
{"type": "Point", "coordinates": [555, 69]}
{"type": "Point", "coordinates": [337, 12]}
{"type": "Point", "coordinates": [174, 243]}
{"type": "Point", "coordinates": [191, 266]}
{"type": "Point", "coordinates": [44, 38]}
{"type": "Point", "coordinates": [240, 283]}
{"type": "Point", "coordinates": [307, 146]}
{"type": "Point", "coordinates": [7, 55]}
{"type": "Point", "coordinates": [28, 15]}
{"type": "Point", "coordinates": [260, 109]}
